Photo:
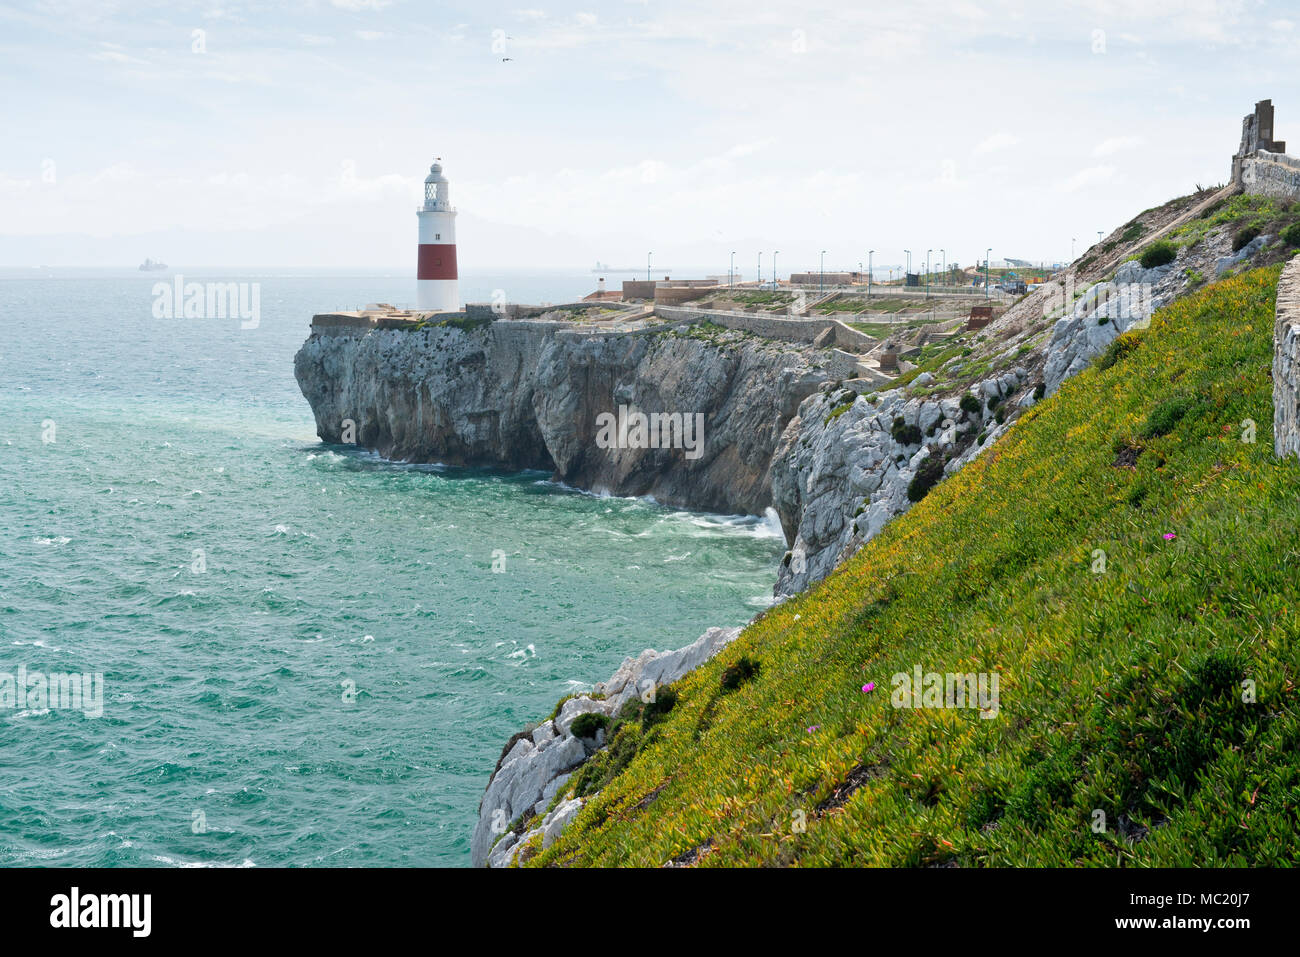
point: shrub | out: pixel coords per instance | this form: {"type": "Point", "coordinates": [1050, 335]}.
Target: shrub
{"type": "Point", "coordinates": [993, 402]}
{"type": "Point", "coordinates": [1291, 235]}
{"type": "Point", "coordinates": [836, 412]}
{"type": "Point", "coordinates": [1118, 349]}
{"type": "Point", "coordinates": [586, 725]}
{"type": "Point", "coordinates": [466, 323]}
{"type": "Point", "coordinates": [1040, 390]}
{"type": "Point", "coordinates": [1243, 237]}
{"type": "Point", "coordinates": [1166, 416]}
{"type": "Point", "coordinates": [905, 434]}
{"type": "Point", "coordinates": [736, 675]}
{"type": "Point", "coordinates": [927, 476]}
{"type": "Point", "coordinates": [664, 702]}
{"type": "Point", "coordinates": [1132, 233]}
{"type": "Point", "coordinates": [969, 403]}
{"type": "Point", "coordinates": [555, 713]}
{"type": "Point", "coordinates": [1000, 416]}
{"type": "Point", "coordinates": [1158, 254]}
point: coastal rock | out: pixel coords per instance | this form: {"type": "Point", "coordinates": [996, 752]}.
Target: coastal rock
{"type": "Point", "coordinates": [527, 395]}
{"type": "Point", "coordinates": [537, 766]}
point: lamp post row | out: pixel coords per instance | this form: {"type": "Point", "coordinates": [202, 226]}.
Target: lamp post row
{"type": "Point", "coordinates": [821, 283]}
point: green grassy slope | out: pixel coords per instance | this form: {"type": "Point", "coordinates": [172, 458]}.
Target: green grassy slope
{"type": "Point", "coordinates": [1120, 689]}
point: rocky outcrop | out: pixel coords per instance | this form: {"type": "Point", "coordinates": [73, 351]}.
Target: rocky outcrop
{"type": "Point", "coordinates": [529, 395]}
{"type": "Point", "coordinates": [1101, 315]}
{"type": "Point", "coordinates": [1286, 363]}
{"type": "Point", "coordinates": [516, 811]}
{"type": "Point", "coordinates": [843, 472]}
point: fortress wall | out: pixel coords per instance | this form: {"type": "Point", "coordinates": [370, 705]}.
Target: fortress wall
{"type": "Point", "coordinates": [1271, 174]}
{"type": "Point", "coordinates": [1286, 363]}
{"type": "Point", "coordinates": [792, 329]}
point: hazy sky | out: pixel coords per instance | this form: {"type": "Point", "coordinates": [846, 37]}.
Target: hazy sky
{"type": "Point", "coordinates": [299, 133]}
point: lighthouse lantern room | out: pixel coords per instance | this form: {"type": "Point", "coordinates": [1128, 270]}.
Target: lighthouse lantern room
{"type": "Point", "coordinates": [436, 272]}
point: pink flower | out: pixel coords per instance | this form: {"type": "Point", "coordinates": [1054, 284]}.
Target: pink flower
{"type": "Point", "coordinates": [1170, 536]}
{"type": "Point", "coordinates": [868, 687]}
{"type": "Point", "coordinates": [815, 727]}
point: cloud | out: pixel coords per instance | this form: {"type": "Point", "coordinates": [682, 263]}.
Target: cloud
{"type": "Point", "coordinates": [369, 35]}
{"type": "Point", "coordinates": [111, 56]}
{"type": "Point", "coordinates": [998, 141]}
{"type": "Point", "coordinates": [356, 6]}
{"type": "Point", "coordinates": [1116, 144]}
{"type": "Point", "coordinates": [313, 40]}
{"type": "Point", "coordinates": [1091, 176]}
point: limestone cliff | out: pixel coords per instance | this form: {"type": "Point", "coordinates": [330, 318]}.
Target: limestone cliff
{"type": "Point", "coordinates": [528, 395]}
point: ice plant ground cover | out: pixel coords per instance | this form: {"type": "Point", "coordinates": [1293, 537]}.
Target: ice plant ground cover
{"type": "Point", "coordinates": [1141, 609]}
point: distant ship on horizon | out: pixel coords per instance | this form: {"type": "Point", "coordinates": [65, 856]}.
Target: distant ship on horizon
{"type": "Point", "coordinates": [150, 266]}
{"type": "Point", "coordinates": [606, 267]}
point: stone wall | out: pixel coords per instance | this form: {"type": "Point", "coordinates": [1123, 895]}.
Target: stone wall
{"type": "Point", "coordinates": [1271, 174]}
{"type": "Point", "coordinates": [672, 293]}
{"type": "Point", "coordinates": [1286, 363]}
{"type": "Point", "coordinates": [788, 329]}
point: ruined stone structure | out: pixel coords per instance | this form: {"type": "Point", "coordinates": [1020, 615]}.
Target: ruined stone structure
{"type": "Point", "coordinates": [1261, 165]}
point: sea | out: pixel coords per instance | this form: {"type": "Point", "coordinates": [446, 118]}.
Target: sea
{"type": "Point", "coordinates": [306, 655]}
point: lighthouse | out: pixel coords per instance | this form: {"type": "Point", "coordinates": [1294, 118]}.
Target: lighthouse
{"type": "Point", "coordinates": [436, 273]}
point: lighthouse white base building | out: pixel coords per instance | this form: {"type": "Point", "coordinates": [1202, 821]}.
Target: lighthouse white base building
{"type": "Point", "coordinates": [437, 289]}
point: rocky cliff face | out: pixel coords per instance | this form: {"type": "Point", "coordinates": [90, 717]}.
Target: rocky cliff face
{"type": "Point", "coordinates": [842, 472]}
{"type": "Point", "coordinates": [519, 813]}
{"type": "Point", "coordinates": [528, 395]}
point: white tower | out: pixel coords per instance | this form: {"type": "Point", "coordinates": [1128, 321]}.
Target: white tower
{"type": "Point", "coordinates": [436, 275]}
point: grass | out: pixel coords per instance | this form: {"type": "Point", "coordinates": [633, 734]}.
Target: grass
{"type": "Point", "coordinates": [1121, 652]}
{"type": "Point", "coordinates": [1243, 213]}
{"type": "Point", "coordinates": [836, 412]}
{"type": "Point", "coordinates": [761, 298]}
{"type": "Point", "coordinates": [842, 304]}
{"type": "Point", "coordinates": [1158, 253]}
{"type": "Point", "coordinates": [888, 304]}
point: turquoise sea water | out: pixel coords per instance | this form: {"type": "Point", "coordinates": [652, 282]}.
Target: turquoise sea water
{"type": "Point", "coordinates": [186, 535]}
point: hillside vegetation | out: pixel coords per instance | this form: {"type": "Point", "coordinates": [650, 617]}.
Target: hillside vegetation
{"type": "Point", "coordinates": [1127, 562]}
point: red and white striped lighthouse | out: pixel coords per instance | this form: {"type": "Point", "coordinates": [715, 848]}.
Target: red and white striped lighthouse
{"type": "Point", "coordinates": [436, 275]}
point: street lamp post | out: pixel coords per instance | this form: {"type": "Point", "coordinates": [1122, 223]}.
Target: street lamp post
{"type": "Point", "coordinates": [869, 254]}
{"type": "Point", "coordinates": [731, 276]}
{"type": "Point", "coordinates": [927, 272]}
{"type": "Point", "coordinates": [944, 254]}
{"type": "Point", "coordinates": [987, 253]}
{"type": "Point", "coordinates": [760, 270]}
{"type": "Point", "coordinates": [821, 276]}
{"type": "Point", "coordinates": [647, 266]}
{"type": "Point", "coordinates": [774, 255]}
{"type": "Point", "coordinates": [908, 268]}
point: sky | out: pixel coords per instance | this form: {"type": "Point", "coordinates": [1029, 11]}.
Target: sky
{"type": "Point", "coordinates": [299, 133]}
